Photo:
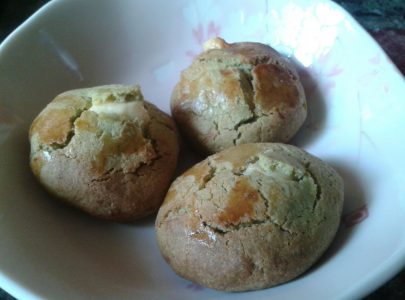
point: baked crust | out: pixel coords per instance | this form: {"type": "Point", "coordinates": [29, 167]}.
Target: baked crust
{"type": "Point", "coordinates": [238, 93]}
{"type": "Point", "coordinates": [106, 151]}
{"type": "Point", "coordinates": [250, 217]}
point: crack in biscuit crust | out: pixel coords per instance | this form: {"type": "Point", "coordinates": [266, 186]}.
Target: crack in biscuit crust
{"type": "Point", "coordinates": [105, 150]}
{"type": "Point", "coordinates": [250, 217]}
{"type": "Point", "coordinates": [242, 93]}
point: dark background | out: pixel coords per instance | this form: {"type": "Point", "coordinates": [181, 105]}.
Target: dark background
{"type": "Point", "coordinates": [384, 20]}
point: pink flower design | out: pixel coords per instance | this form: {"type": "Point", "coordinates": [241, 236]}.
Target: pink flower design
{"type": "Point", "coordinates": [336, 70]}
{"type": "Point", "coordinates": [213, 30]}
{"type": "Point", "coordinates": [365, 78]}
{"type": "Point", "coordinates": [375, 60]}
{"type": "Point", "coordinates": [355, 216]}
{"type": "Point", "coordinates": [195, 287]}
{"type": "Point", "coordinates": [326, 75]}
{"type": "Point", "coordinates": [202, 33]}
{"type": "Point", "coordinates": [199, 34]}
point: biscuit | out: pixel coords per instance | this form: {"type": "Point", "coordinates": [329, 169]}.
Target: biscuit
{"type": "Point", "coordinates": [105, 151]}
{"type": "Point", "coordinates": [238, 93]}
{"type": "Point", "coordinates": [250, 217]}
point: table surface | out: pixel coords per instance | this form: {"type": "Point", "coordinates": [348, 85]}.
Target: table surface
{"type": "Point", "coordinates": [384, 20]}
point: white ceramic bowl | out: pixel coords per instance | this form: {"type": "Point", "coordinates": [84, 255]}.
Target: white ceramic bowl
{"type": "Point", "coordinates": [356, 123]}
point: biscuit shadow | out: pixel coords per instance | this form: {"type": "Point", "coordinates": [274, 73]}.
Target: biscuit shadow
{"type": "Point", "coordinates": [65, 244]}
{"type": "Point", "coordinates": [142, 222]}
{"type": "Point", "coordinates": [314, 124]}
{"type": "Point", "coordinates": [188, 156]}
{"type": "Point", "coordinates": [355, 194]}
{"type": "Point", "coordinates": [354, 197]}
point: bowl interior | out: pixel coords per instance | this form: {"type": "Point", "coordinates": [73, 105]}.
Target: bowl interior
{"type": "Point", "coordinates": [355, 112]}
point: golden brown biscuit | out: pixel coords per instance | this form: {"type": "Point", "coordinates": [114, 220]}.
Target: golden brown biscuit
{"type": "Point", "coordinates": [106, 151]}
{"type": "Point", "coordinates": [250, 217]}
{"type": "Point", "coordinates": [238, 93]}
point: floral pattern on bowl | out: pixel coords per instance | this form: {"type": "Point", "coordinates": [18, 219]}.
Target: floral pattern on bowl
{"type": "Point", "coordinates": [356, 108]}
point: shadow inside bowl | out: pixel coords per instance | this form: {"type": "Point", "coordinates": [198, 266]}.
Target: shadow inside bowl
{"type": "Point", "coordinates": [314, 124]}
{"type": "Point", "coordinates": [49, 246]}
{"type": "Point", "coordinates": [355, 194]}
{"type": "Point", "coordinates": [354, 197]}
{"type": "Point", "coordinates": [188, 156]}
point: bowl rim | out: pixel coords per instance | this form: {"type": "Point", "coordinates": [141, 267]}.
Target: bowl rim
{"type": "Point", "coordinates": [363, 287]}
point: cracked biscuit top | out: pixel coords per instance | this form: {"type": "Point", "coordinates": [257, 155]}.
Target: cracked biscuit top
{"type": "Point", "coordinates": [96, 148]}
{"type": "Point", "coordinates": [250, 217]}
{"type": "Point", "coordinates": [238, 93]}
